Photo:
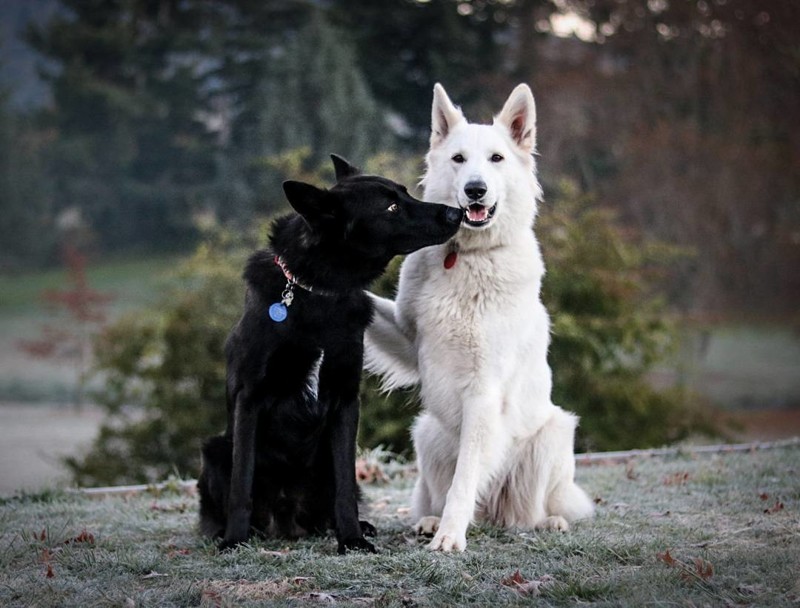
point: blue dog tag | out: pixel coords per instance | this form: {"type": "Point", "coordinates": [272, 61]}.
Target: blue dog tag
{"type": "Point", "coordinates": [278, 312]}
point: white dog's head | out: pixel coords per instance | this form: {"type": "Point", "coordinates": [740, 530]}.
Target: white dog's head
{"type": "Point", "coordinates": [487, 170]}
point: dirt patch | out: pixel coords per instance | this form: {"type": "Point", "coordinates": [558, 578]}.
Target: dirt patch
{"type": "Point", "coordinates": [765, 424]}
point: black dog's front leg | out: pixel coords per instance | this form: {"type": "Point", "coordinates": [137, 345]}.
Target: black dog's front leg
{"type": "Point", "coordinates": [245, 421]}
{"type": "Point", "coordinates": [349, 530]}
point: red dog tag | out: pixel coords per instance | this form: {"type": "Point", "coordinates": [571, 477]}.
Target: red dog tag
{"type": "Point", "coordinates": [450, 260]}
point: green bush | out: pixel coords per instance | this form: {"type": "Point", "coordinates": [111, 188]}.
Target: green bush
{"type": "Point", "coordinates": [164, 370]}
{"type": "Point", "coordinates": [164, 375]}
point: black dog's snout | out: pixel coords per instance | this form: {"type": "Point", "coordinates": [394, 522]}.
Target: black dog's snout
{"type": "Point", "coordinates": [475, 190]}
{"type": "Point", "coordinates": [453, 215]}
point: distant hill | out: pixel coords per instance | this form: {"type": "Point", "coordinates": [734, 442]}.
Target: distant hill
{"type": "Point", "coordinates": [18, 62]}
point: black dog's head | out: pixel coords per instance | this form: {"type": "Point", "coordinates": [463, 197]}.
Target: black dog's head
{"type": "Point", "coordinates": [370, 216]}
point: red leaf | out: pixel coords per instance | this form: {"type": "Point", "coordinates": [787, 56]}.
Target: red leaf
{"type": "Point", "coordinates": [666, 558]}
{"type": "Point", "coordinates": [778, 506]}
{"type": "Point", "coordinates": [703, 569]}
{"type": "Point", "coordinates": [45, 559]}
{"type": "Point", "coordinates": [676, 479]}
{"type": "Point", "coordinates": [513, 580]}
{"type": "Point", "coordinates": [83, 537]}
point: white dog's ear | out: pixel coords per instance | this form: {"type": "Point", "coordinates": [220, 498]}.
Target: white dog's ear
{"type": "Point", "coordinates": [444, 115]}
{"type": "Point", "coordinates": [519, 117]}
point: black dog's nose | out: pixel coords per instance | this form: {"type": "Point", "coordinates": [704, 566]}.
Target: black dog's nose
{"type": "Point", "coordinates": [475, 190]}
{"type": "Point", "coordinates": [454, 215]}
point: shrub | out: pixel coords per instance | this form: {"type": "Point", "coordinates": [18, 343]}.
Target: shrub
{"type": "Point", "coordinates": [164, 370]}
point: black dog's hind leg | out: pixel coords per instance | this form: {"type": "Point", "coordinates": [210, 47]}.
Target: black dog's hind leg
{"type": "Point", "coordinates": [240, 503]}
{"type": "Point", "coordinates": [213, 485]}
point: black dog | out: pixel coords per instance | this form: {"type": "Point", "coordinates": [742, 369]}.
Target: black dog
{"type": "Point", "coordinates": [286, 463]}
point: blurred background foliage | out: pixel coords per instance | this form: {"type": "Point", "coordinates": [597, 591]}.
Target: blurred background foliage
{"type": "Point", "coordinates": [144, 127]}
{"type": "Point", "coordinates": [164, 374]}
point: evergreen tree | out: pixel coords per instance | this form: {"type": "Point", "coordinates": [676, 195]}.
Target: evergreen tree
{"type": "Point", "coordinates": [131, 152]}
{"type": "Point", "coordinates": [311, 95]}
{"type": "Point", "coordinates": [26, 232]}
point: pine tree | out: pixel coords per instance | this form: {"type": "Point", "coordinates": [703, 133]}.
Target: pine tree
{"type": "Point", "coordinates": [312, 96]}
{"type": "Point", "coordinates": [130, 152]}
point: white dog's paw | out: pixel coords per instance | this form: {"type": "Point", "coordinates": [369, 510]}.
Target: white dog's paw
{"type": "Point", "coordinates": [448, 542]}
{"type": "Point", "coordinates": [554, 522]}
{"type": "Point", "coordinates": [427, 526]}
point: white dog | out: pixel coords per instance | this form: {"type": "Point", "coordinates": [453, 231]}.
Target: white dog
{"type": "Point", "coordinates": [469, 326]}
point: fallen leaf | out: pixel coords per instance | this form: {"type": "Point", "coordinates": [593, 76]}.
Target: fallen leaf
{"type": "Point", "coordinates": [176, 552]}
{"type": "Point", "coordinates": [45, 559]}
{"type": "Point", "coordinates": [513, 580]}
{"type": "Point", "coordinates": [666, 558]}
{"type": "Point", "coordinates": [318, 596]}
{"type": "Point", "coordinates": [525, 587]}
{"type": "Point", "coordinates": [676, 479]}
{"type": "Point", "coordinates": [778, 506]}
{"type": "Point", "coordinates": [83, 537]}
{"type": "Point", "coordinates": [763, 496]}
{"type": "Point", "coordinates": [703, 569]}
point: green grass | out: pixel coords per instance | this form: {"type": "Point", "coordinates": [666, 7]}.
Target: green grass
{"type": "Point", "coordinates": [134, 283]}
{"type": "Point", "coordinates": [679, 531]}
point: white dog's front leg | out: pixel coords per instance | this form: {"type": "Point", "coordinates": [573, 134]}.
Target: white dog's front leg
{"type": "Point", "coordinates": [477, 434]}
{"type": "Point", "coordinates": [389, 349]}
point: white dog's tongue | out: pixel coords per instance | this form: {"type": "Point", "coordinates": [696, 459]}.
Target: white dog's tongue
{"type": "Point", "coordinates": [477, 213]}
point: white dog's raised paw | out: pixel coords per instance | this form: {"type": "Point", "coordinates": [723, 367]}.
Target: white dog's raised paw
{"type": "Point", "coordinates": [554, 522]}
{"type": "Point", "coordinates": [448, 542]}
{"type": "Point", "coordinates": [427, 526]}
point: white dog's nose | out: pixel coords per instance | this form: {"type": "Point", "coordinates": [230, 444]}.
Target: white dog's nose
{"type": "Point", "coordinates": [475, 190]}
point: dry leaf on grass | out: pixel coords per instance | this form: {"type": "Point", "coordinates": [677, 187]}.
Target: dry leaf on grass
{"type": "Point", "coordinates": [699, 569]}
{"type": "Point", "coordinates": [243, 590]}
{"type": "Point", "coordinates": [525, 587]}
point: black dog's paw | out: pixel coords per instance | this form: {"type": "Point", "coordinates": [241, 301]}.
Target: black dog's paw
{"type": "Point", "coordinates": [226, 545]}
{"type": "Point", "coordinates": [367, 529]}
{"type": "Point", "coordinates": [356, 544]}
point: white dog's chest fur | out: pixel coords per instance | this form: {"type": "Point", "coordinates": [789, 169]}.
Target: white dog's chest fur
{"type": "Point", "coordinates": [496, 328]}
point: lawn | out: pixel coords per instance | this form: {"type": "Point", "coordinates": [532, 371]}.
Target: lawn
{"type": "Point", "coordinates": [684, 530]}
{"type": "Point", "coordinates": [134, 283]}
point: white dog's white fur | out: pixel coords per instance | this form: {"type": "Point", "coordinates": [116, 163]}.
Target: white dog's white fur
{"type": "Point", "coordinates": [490, 443]}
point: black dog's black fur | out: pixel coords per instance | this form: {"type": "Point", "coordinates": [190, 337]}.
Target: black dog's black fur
{"type": "Point", "coordinates": [286, 463]}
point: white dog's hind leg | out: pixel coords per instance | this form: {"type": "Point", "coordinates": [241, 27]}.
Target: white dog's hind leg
{"type": "Point", "coordinates": [564, 497]}
{"type": "Point", "coordinates": [388, 351]}
{"type": "Point", "coordinates": [538, 490]}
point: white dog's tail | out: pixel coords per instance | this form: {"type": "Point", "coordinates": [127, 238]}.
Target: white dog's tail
{"type": "Point", "coordinates": [387, 350]}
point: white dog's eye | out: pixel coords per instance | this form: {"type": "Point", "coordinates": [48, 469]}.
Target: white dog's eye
{"type": "Point", "coordinates": [393, 208]}
{"type": "Point", "coordinates": [458, 158]}
{"type": "Point", "coordinates": [496, 158]}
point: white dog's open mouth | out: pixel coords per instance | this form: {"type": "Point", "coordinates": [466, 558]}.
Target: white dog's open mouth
{"type": "Point", "coordinates": [478, 215]}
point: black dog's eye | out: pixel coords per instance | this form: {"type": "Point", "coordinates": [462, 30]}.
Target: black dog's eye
{"type": "Point", "coordinates": [458, 158]}
{"type": "Point", "coordinates": [393, 208]}
{"type": "Point", "coordinates": [496, 158]}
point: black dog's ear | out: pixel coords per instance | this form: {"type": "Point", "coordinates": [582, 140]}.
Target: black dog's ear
{"type": "Point", "coordinates": [343, 168]}
{"type": "Point", "coordinates": [314, 204]}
